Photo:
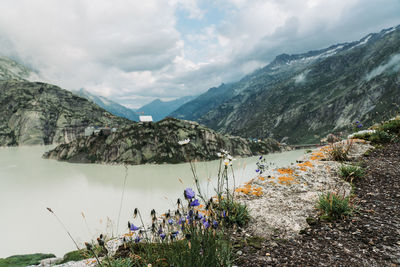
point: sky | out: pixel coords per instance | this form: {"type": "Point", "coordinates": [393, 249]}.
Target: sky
{"type": "Point", "coordinates": [135, 51]}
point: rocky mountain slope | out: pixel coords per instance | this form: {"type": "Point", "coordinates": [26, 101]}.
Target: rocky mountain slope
{"type": "Point", "coordinates": [40, 113]}
{"type": "Point", "coordinates": [157, 143]}
{"type": "Point", "coordinates": [10, 69]}
{"type": "Point", "coordinates": [159, 109]}
{"type": "Point", "coordinates": [109, 105]}
{"type": "Point", "coordinates": [304, 97]}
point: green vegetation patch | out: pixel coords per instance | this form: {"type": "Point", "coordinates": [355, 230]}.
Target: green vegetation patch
{"type": "Point", "coordinates": [351, 172]}
{"type": "Point", "coordinates": [334, 206]}
{"type": "Point", "coordinates": [24, 260]}
{"type": "Point", "coordinates": [75, 255]}
{"type": "Point", "coordinates": [233, 212]}
{"type": "Point", "coordinates": [199, 248]}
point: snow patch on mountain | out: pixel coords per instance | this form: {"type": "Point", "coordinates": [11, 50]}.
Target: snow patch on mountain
{"type": "Point", "coordinates": [390, 30]}
{"type": "Point", "coordinates": [363, 42]}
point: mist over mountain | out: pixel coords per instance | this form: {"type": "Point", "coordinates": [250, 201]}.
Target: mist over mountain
{"type": "Point", "coordinates": [12, 70]}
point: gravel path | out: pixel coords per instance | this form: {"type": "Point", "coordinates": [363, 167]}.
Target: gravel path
{"type": "Point", "coordinates": [370, 237]}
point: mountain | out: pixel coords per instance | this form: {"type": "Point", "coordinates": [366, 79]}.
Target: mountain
{"type": "Point", "coordinates": [268, 76]}
{"type": "Point", "coordinates": [40, 113]}
{"type": "Point", "coordinates": [109, 105]}
{"type": "Point", "coordinates": [300, 98]}
{"type": "Point", "coordinates": [160, 109]}
{"type": "Point", "coordinates": [10, 69]}
{"type": "Point", "coordinates": [158, 142]}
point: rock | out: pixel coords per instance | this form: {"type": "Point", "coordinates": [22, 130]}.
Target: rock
{"type": "Point", "coordinates": [38, 113]}
{"type": "Point", "coordinates": [158, 142]}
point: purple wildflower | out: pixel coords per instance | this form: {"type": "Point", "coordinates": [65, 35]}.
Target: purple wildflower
{"type": "Point", "coordinates": [190, 213]}
{"type": "Point", "coordinates": [170, 221]}
{"type": "Point", "coordinates": [195, 203]}
{"type": "Point", "coordinates": [359, 126]}
{"type": "Point", "coordinates": [215, 224]}
{"type": "Point", "coordinates": [257, 170]}
{"type": "Point", "coordinates": [133, 227]}
{"type": "Point", "coordinates": [137, 239]}
{"type": "Point", "coordinates": [162, 235]}
{"type": "Point", "coordinates": [206, 224]}
{"type": "Point", "coordinates": [189, 193]}
{"type": "Point", "coordinates": [174, 234]}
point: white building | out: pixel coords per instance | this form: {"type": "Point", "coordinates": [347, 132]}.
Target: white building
{"type": "Point", "coordinates": [146, 118]}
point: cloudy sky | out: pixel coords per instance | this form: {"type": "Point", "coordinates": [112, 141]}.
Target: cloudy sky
{"type": "Point", "coordinates": [134, 51]}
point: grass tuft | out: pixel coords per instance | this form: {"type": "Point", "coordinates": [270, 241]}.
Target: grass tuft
{"type": "Point", "coordinates": [235, 213]}
{"type": "Point", "coordinates": [351, 172]}
{"type": "Point", "coordinates": [339, 152]}
{"type": "Point", "coordinates": [334, 206]}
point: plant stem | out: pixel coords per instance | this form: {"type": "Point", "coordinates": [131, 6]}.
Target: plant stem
{"type": "Point", "coordinates": [65, 228]}
{"type": "Point", "coordinates": [144, 228]}
{"type": "Point", "coordinates": [122, 196]}
{"type": "Point", "coordinates": [234, 182]}
{"type": "Point", "coordinates": [196, 180]}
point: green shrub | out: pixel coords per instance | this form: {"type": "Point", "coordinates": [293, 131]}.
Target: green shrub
{"type": "Point", "coordinates": [380, 137]}
{"type": "Point", "coordinates": [334, 206]}
{"type": "Point", "coordinates": [351, 172]}
{"type": "Point", "coordinates": [233, 213]}
{"type": "Point", "coordinates": [24, 260]}
{"type": "Point", "coordinates": [75, 255]}
{"type": "Point", "coordinates": [391, 127]}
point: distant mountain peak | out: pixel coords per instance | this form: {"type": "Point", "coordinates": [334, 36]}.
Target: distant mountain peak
{"type": "Point", "coordinates": [160, 109]}
{"type": "Point", "coordinates": [109, 105]}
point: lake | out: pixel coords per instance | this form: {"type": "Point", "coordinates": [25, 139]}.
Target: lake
{"type": "Point", "coordinates": [87, 197]}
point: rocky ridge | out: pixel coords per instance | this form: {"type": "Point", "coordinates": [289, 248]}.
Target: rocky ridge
{"type": "Point", "coordinates": [157, 143]}
{"type": "Point", "coordinates": [39, 113]}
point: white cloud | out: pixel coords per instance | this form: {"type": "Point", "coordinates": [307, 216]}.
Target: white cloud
{"type": "Point", "coordinates": [132, 51]}
{"type": "Point", "coordinates": [392, 65]}
{"type": "Point", "coordinates": [191, 6]}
